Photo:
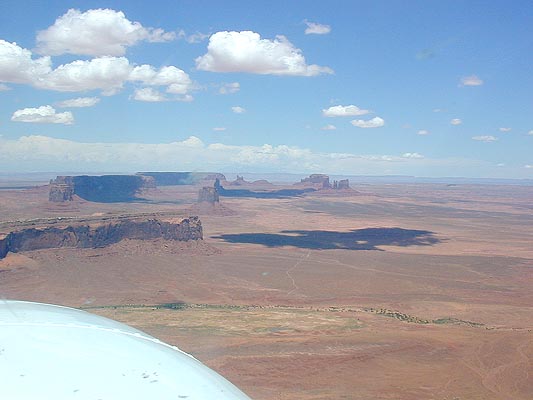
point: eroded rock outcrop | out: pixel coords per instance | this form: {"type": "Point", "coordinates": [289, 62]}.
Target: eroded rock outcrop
{"type": "Point", "coordinates": [100, 235]}
{"type": "Point", "coordinates": [61, 189]}
{"type": "Point", "coordinates": [343, 184]}
{"type": "Point", "coordinates": [320, 180]}
{"type": "Point", "coordinates": [209, 195]}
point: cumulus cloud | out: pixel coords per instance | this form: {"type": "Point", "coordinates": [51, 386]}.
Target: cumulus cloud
{"type": "Point", "coordinates": [375, 122]}
{"type": "Point", "coordinates": [42, 115]}
{"type": "Point", "coordinates": [505, 129]}
{"type": "Point", "coordinates": [456, 121]}
{"type": "Point", "coordinates": [238, 110]}
{"type": "Point", "coordinates": [329, 127]}
{"type": "Point", "coordinates": [108, 74]}
{"type": "Point", "coordinates": [343, 111]}
{"type": "Point", "coordinates": [105, 73]}
{"type": "Point", "coordinates": [148, 94]}
{"type": "Point", "coordinates": [176, 80]}
{"type": "Point", "coordinates": [316, 28]}
{"type": "Point", "coordinates": [79, 102]}
{"type": "Point", "coordinates": [230, 88]}
{"type": "Point", "coordinates": [246, 52]}
{"type": "Point", "coordinates": [471, 80]}
{"type": "Point", "coordinates": [423, 132]}
{"type": "Point", "coordinates": [485, 138]}
{"type": "Point", "coordinates": [17, 65]}
{"type": "Point", "coordinates": [99, 32]}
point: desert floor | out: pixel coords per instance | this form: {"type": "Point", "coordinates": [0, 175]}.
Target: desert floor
{"type": "Point", "coordinates": [392, 292]}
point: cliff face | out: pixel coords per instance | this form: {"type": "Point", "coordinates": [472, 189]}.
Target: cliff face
{"type": "Point", "coordinates": [104, 189]}
{"type": "Point", "coordinates": [84, 236]}
{"type": "Point", "coordinates": [317, 179]}
{"type": "Point", "coordinates": [108, 188]}
{"type": "Point", "coordinates": [344, 184]}
{"type": "Point", "coordinates": [61, 189]}
{"type": "Point", "coordinates": [209, 195]}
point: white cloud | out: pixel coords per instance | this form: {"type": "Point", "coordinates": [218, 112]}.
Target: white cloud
{"type": "Point", "coordinates": [530, 133]}
{"type": "Point", "coordinates": [45, 153]}
{"type": "Point", "coordinates": [246, 52]}
{"type": "Point", "coordinates": [528, 166]}
{"type": "Point", "coordinates": [99, 32]}
{"type": "Point", "coordinates": [17, 65]}
{"type": "Point", "coordinates": [229, 88]}
{"type": "Point", "coordinates": [105, 73]}
{"type": "Point", "coordinates": [343, 111]}
{"type": "Point", "coordinates": [238, 110]}
{"type": "Point", "coordinates": [423, 132]}
{"type": "Point", "coordinates": [471, 80]}
{"type": "Point", "coordinates": [43, 115]}
{"type": "Point", "coordinates": [375, 122]}
{"type": "Point", "coordinates": [329, 127]}
{"type": "Point", "coordinates": [412, 155]}
{"type": "Point", "coordinates": [196, 37]}
{"type": "Point", "coordinates": [152, 95]}
{"type": "Point", "coordinates": [316, 28]}
{"type": "Point", "coordinates": [4, 88]}
{"type": "Point", "coordinates": [505, 129]}
{"type": "Point", "coordinates": [219, 129]}
{"type": "Point", "coordinates": [79, 102]}
{"type": "Point", "coordinates": [176, 80]}
{"type": "Point", "coordinates": [148, 94]}
{"type": "Point", "coordinates": [456, 121]}
{"type": "Point", "coordinates": [485, 138]}
{"type": "Point", "coordinates": [108, 74]}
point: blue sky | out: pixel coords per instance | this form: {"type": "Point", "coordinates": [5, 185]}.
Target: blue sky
{"type": "Point", "coordinates": [342, 87]}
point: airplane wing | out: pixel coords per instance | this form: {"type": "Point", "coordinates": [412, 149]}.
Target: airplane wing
{"type": "Point", "coordinates": [55, 352]}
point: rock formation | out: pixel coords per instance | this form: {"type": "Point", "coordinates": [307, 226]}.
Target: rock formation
{"type": "Point", "coordinates": [320, 180]}
{"type": "Point", "coordinates": [209, 195]}
{"type": "Point", "coordinates": [148, 182]}
{"type": "Point", "coordinates": [61, 189]}
{"type": "Point", "coordinates": [343, 184]}
{"type": "Point", "coordinates": [100, 235]}
{"type": "Point", "coordinates": [104, 188]}
{"type": "Point", "coordinates": [238, 182]}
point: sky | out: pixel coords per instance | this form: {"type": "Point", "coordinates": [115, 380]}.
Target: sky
{"type": "Point", "coordinates": [422, 88]}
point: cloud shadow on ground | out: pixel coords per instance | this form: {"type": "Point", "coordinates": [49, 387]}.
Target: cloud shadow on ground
{"type": "Point", "coordinates": [356, 239]}
{"type": "Point", "coordinates": [272, 194]}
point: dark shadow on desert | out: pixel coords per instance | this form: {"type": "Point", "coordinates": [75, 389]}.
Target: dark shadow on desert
{"type": "Point", "coordinates": [356, 239]}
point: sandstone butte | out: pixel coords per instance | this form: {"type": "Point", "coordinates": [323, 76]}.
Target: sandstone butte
{"type": "Point", "coordinates": [99, 234]}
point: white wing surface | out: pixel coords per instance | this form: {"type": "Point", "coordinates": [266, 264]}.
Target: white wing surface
{"type": "Point", "coordinates": [54, 352]}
